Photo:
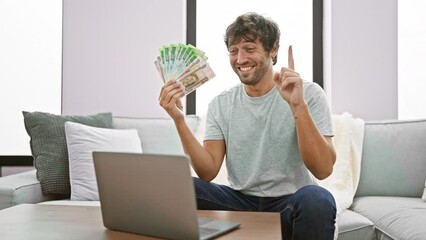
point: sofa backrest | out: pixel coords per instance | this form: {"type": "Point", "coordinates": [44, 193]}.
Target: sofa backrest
{"type": "Point", "coordinates": [393, 159]}
{"type": "Point", "coordinates": [157, 135]}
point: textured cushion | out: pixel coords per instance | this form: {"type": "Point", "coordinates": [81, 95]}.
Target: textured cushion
{"type": "Point", "coordinates": [393, 159]}
{"type": "Point", "coordinates": [82, 140]}
{"type": "Point", "coordinates": [394, 217]}
{"type": "Point", "coordinates": [49, 148]}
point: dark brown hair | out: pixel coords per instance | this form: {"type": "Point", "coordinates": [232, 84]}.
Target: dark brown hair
{"type": "Point", "coordinates": [251, 26]}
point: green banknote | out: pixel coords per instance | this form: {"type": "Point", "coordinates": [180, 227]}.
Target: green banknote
{"type": "Point", "coordinates": [184, 63]}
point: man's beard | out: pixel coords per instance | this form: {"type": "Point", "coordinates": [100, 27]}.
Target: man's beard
{"type": "Point", "coordinates": [258, 75]}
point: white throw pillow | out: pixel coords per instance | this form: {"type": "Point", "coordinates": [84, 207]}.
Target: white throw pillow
{"type": "Point", "coordinates": [424, 193]}
{"type": "Point", "coordinates": [348, 142]}
{"type": "Point", "coordinates": [82, 140]}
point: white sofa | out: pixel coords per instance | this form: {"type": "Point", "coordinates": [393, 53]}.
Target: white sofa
{"type": "Point", "coordinates": [387, 202]}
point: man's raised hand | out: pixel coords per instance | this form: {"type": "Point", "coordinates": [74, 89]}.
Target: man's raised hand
{"type": "Point", "coordinates": [289, 83]}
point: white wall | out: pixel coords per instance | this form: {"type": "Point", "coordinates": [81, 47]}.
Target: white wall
{"type": "Point", "coordinates": [361, 57]}
{"type": "Point", "coordinates": [109, 47]}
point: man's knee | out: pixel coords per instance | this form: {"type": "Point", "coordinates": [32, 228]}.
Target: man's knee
{"type": "Point", "coordinates": [316, 198]}
{"type": "Point", "coordinates": [202, 187]}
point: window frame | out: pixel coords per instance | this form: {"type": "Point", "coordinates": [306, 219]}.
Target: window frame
{"type": "Point", "coordinates": [317, 27]}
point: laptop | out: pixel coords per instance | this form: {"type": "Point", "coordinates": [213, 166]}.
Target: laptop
{"type": "Point", "coordinates": [152, 195]}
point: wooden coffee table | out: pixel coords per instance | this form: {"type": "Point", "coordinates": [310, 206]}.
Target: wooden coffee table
{"type": "Point", "coordinates": [44, 222]}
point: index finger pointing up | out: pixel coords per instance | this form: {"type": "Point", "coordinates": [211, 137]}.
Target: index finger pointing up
{"type": "Point", "coordinates": [290, 58]}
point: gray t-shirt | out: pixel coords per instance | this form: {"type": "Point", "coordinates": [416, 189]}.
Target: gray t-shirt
{"type": "Point", "coordinates": [262, 154]}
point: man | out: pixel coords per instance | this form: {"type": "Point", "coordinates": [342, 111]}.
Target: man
{"type": "Point", "coordinates": [275, 130]}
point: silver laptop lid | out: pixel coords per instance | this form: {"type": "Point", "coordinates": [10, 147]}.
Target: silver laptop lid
{"type": "Point", "coordinates": [148, 194]}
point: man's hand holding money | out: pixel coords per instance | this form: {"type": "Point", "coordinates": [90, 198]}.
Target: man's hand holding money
{"type": "Point", "coordinates": [169, 99]}
{"type": "Point", "coordinates": [185, 64]}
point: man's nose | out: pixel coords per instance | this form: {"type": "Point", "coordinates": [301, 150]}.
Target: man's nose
{"type": "Point", "coordinates": [241, 57]}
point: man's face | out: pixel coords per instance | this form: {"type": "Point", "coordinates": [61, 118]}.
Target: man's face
{"type": "Point", "coordinates": [249, 60]}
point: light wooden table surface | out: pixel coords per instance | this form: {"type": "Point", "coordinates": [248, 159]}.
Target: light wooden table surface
{"type": "Point", "coordinates": [45, 222]}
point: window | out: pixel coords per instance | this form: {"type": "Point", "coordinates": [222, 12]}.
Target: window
{"type": "Point", "coordinates": [30, 67]}
{"type": "Point", "coordinates": [214, 16]}
{"type": "Point", "coordinates": [411, 59]}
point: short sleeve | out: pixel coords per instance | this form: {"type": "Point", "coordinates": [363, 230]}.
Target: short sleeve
{"type": "Point", "coordinates": [319, 109]}
{"type": "Point", "coordinates": [213, 130]}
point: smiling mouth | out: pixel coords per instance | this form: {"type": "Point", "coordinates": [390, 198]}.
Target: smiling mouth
{"type": "Point", "coordinates": [245, 69]}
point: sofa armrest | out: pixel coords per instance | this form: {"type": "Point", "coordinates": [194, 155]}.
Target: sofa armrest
{"type": "Point", "coordinates": [21, 188]}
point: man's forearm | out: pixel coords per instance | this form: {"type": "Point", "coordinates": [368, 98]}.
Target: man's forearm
{"type": "Point", "coordinates": [201, 160]}
{"type": "Point", "coordinates": [317, 153]}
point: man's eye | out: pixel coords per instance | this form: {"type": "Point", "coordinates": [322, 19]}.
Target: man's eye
{"type": "Point", "coordinates": [249, 50]}
{"type": "Point", "coordinates": [232, 52]}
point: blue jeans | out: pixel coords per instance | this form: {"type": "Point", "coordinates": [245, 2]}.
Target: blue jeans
{"type": "Point", "coordinates": [309, 213]}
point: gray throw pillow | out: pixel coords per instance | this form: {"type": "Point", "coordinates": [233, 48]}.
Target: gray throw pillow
{"type": "Point", "coordinates": [49, 147]}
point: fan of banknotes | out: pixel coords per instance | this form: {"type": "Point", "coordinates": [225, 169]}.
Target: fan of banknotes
{"type": "Point", "coordinates": [184, 63]}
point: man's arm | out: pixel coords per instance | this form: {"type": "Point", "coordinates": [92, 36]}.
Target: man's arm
{"type": "Point", "coordinates": [206, 160]}
{"type": "Point", "coordinates": [317, 151]}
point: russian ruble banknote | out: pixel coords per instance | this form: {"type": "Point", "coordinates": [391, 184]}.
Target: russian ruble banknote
{"type": "Point", "coordinates": [184, 63]}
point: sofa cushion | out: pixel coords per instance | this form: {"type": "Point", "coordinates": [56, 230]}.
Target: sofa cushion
{"type": "Point", "coordinates": [68, 202]}
{"type": "Point", "coordinates": [21, 188]}
{"type": "Point", "coordinates": [157, 135]}
{"type": "Point", "coordinates": [82, 140]}
{"type": "Point", "coordinates": [393, 159]}
{"type": "Point", "coordinates": [394, 217]}
{"type": "Point", "coordinates": [49, 148]}
{"type": "Point", "coordinates": [352, 225]}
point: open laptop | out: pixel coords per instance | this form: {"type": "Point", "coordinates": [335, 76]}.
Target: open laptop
{"type": "Point", "coordinates": [152, 195]}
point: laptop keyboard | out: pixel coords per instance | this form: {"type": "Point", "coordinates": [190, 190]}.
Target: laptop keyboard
{"type": "Point", "coordinates": [205, 231]}
{"type": "Point", "coordinates": [202, 221]}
